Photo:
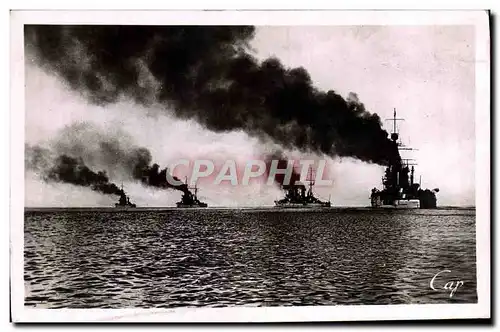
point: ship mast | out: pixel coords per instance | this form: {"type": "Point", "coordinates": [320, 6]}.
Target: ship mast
{"type": "Point", "coordinates": [394, 134]}
{"type": "Point", "coordinates": [311, 181]}
{"type": "Point", "coordinates": [405, 162]}
{"type": "Point", "coordinates": [195, 191]}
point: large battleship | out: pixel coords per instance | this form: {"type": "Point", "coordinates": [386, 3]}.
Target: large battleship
{"type": "Point", "coordinates": [124, 201]}
{"type": "Point", "coordinates": [400, 190]}
{"type": "Point", "coordinates": [297, 197]}
{"type": "Point", "coordinates": [190, 199]}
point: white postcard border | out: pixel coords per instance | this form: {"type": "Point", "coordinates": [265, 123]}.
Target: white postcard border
{"type": "Point", "coordinates": [245, 314]}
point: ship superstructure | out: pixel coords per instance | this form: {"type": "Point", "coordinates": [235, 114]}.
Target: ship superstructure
{"type": "Point", "coordinates": [190, 199]}
{"type": "Point", "coordinates": [296, 195]}
{"type": "Point", "coordinates": [124, 201]}
{"type": "Point", "coordinates": [399, 187]}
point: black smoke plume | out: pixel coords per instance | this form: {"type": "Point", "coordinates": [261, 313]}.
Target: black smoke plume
{"type": "Point", "coordinates": [83, 146]}
{"type": "Point", "coordinates": [153, 176]}
{"type": "Point", "coordinates": [74, 171]}
{"type": "Point", "coordinates": [207, 73]}
{"type": "Point", "coordinates": [279, 179]}
{"type": "Point", "coordinates": [99, 148]}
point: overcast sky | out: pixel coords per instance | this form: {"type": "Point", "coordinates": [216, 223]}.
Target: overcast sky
{"type": "Point", "coordinates": [426, 73]}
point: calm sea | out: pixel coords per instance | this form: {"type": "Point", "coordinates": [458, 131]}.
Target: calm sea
{"type": "Point", "coordinates": [86, 258]}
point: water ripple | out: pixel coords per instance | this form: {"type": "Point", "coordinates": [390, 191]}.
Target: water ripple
{"type": "Point", "coordinates": [167, 259]}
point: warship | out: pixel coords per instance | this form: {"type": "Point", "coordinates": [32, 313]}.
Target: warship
{"type": "Point", "coordinates": [190, 200]}
{"type": "Point", "coordinates": [400, 191]}
{"type": "Point", "coordinates": [124, 201]}
{"type": "Point", "coordinates": [296, 196]}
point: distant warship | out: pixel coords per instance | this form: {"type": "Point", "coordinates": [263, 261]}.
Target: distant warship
{"type": "Point", "coordinates": [124, 201]}
{"type": "Point", "coordinates": [296, 196]}
{"type": "Point", "coordinates": [399, 188]}
{"type": "Point", "coordinates": [190, 200]}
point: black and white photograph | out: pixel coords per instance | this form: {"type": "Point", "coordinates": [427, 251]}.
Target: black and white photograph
{"type": "Point", "coordinates": [250, 166]}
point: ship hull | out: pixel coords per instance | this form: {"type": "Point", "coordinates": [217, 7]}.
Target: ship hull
{"type": "Point", "coordinates": [125, 207]}
{"type": "Point", "coordinates": [299, 205]}
{"type": "Point", "coordinates": [399, 204]}
{"type": "Point", "coordinates": [187, 206]}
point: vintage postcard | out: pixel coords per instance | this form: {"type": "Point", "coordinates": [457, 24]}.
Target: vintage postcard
{"type": "Point", "coordinates": [250, 166]}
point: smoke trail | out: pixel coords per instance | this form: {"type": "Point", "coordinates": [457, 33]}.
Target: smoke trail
{"type": "Point", "coordinates": [153, 176]}
{"type": "Point", "coordinates": [101, 147]}
{"type": "Point", "coordinates": [84, 144]}
{"type": "Point", "coordinates": [37, 158]}
{"type": "Point", "coordinates": [279, 179]}
{"type": "Point", "coordinates": [74, 171]}
{"type": "Point", "coordinates": [206, 73]}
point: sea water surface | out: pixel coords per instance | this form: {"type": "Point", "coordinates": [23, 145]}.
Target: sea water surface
{"type": "Point", "coordinates": [103, 258]}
